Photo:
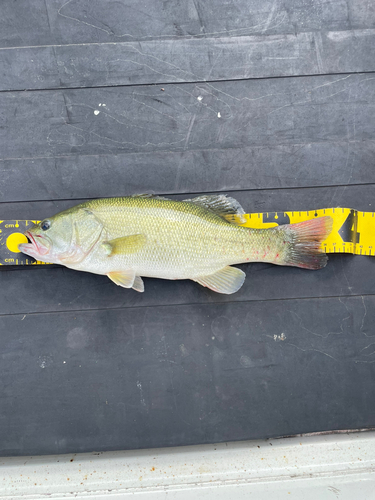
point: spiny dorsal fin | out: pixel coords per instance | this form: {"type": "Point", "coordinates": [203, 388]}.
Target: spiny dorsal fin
{"type": "Point", "coordinates": [124, 245]}
{"type": "Point", "coordinates": [222, 205]}
{"type": "Point", "coordinates": [228, 280]}
{"type": "Point", "coordinates": [150, 195]}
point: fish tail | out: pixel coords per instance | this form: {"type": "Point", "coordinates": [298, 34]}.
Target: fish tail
{"type": "Point", "coordinates": [303, 243]}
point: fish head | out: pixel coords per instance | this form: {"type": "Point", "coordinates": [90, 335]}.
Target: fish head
{"type": "Point", "coordinates": [66, 238]}
{"type": "Point", "coordinates": [49, 239]}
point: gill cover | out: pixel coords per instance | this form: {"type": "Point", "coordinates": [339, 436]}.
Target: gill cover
{"type": "Point", "coordinates": [86, 230]}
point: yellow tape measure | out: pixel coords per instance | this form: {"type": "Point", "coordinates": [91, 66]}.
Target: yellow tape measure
{"type": "Point", "coordinates": [353, 232]}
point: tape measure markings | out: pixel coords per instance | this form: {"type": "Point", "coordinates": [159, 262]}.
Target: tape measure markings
{"type": "Point", "coordinates": [352, 232]}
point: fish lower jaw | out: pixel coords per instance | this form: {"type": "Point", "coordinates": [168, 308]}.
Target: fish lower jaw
{"type": "Point", "coordinates": [29, 249]}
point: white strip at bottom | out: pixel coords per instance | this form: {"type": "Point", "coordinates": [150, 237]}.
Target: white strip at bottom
{"type": "Point", "coordinates": [326, 467]}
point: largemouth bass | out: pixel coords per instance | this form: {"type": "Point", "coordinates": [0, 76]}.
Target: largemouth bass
{"type": "Point", "coordinates": [197, 239]}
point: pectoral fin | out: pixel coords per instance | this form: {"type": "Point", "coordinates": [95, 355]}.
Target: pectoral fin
{"type": "Point", "coordinates": [127, 279]}
{"type": "Point", "coordinates": [228, 280]}
{"type": "Point", "coordinates": [124, 245]}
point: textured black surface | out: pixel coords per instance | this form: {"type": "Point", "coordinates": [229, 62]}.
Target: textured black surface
{"type": "Point", "coordinates": [205, 170]}
{"type": "Point", "coordinates": [272, 101]}
{"type": "Point", "coordinates": [145, 377]}
{"type": "Point", "coordinates": [187, 60]}
{"type": "Point", "coordinates": [53, 22]}
{"type": "Point", "coordinates": [245, 113]}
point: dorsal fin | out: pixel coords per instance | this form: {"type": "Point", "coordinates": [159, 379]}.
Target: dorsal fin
{"type": "Point", "coordinates": [222, 205]}
{"type": "Point", "coordinates": [150, 195]}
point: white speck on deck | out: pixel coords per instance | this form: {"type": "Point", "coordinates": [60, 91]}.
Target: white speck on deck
{"type": "Point", "coordinates": [139, 385]}
{"type": "Point", "coordinates": [96, 112]}
{"type": "Point", "coordinates": [277, 338]}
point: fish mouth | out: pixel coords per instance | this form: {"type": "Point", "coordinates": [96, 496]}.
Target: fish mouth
{"type": "Point", "coordinates": [35, 247]}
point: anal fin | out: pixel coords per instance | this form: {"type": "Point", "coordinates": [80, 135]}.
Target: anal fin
{"type": "Point", "coordinates": [228, 280]}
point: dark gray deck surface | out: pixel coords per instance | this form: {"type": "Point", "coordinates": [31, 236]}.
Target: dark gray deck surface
{"type": "Point", "coordinates": [272, 101]}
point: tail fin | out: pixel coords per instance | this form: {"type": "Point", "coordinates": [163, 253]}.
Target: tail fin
{"type": "Point", "coordinates": [305, 239]}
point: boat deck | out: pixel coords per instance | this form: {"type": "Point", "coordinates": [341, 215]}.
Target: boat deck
{"type": "Point", "coordinates": [272, 102]}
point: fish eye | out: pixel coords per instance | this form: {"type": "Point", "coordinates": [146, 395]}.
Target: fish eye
{"type": "Point", "coordinates": [45, 225]}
